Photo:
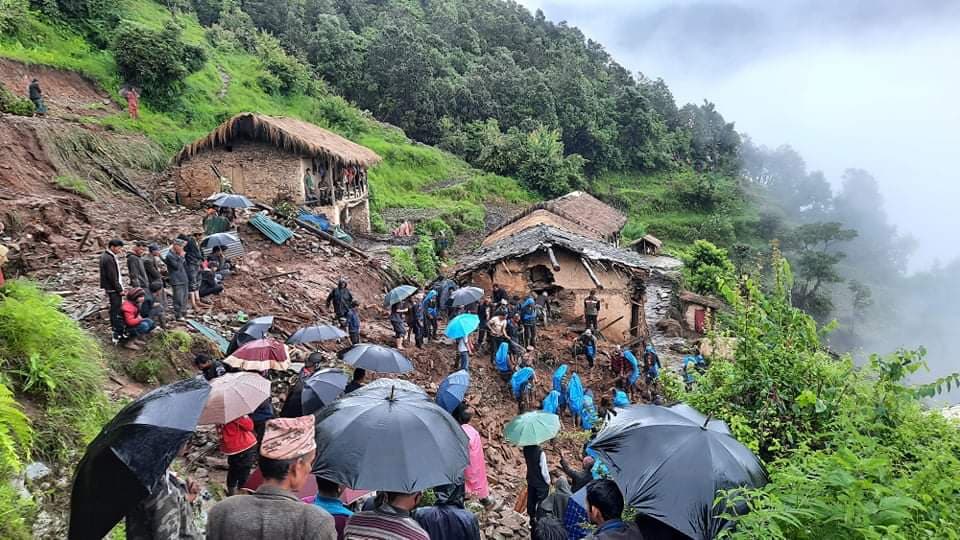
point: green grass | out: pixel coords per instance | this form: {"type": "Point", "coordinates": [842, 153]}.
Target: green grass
{"type": "Point", "coordinates": [74, 184]}
{"type": "Point", "coordinates": [397, 182]}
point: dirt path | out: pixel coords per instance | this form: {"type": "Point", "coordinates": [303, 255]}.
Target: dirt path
{"type": "Point", "coordinates": [66, 93]}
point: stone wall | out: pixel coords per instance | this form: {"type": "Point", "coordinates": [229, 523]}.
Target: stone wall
{"type": "Point", "coordinates": [257, 170]}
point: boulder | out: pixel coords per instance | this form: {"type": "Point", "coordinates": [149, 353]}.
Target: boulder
{"type": "Point", "coordinates": [670, 327]}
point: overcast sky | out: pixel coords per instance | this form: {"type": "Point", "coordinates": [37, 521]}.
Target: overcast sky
{"type": "Point", "coordinates": [873, 84]}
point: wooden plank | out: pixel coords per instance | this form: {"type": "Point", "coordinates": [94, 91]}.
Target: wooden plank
{"type": "Point", "coordinates": [282, 274]}
{"type": "Point", "coordinates": [553, 258]}
{"type": "Point", "coordinates": [590, 271]}
{"type": "Point", "coordinates": [84, 241]}
{"type": "Point", "coordinates": [330, 238]}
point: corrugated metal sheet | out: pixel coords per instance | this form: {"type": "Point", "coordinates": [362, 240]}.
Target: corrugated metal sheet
{"type": "Point", "coordinates": [271, 229]}
{"type": "Point", "coordinates": [233, 250]}
{"type": "Point", "coordinates": [210, 334]}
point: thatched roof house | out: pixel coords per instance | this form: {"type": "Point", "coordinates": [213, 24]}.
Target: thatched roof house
{"type": "Point", "coordinates": [647, 244]}
{"type": "Point", "coordinates": [536, 215]}
{"type": "Point", "coordinates": [585, 208]}
{"type": "Point", "coordinates": [568, 266]}
{"type": "Point", "coordinates": [269, 158]}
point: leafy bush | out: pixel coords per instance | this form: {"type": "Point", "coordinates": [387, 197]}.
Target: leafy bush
{"type": "Point", "coordinates": [13, 104]}
{"type": "Point", "coordinates": [145, 370]}
{"type": "Point", "coordinates": [16, 514]}
{"type": "Point", "coordinates": [706, 267]}
{"type": "Point", "coordinates": [74, 184]}
{"type": "Point", "coordinates": [162, 350]}
{"type": "Point", "coordinates": [284, 73]}
{"type": "Point", "coordinates": [12, 15]}
{"type": "Point", "coordinates": [158, 62]}
{"type": "Point", "coordinates": [425, 256]}
{"type": "Point", "coordinates": [16, 435]}
{"type": "Point", "coordinates": [403, 263]}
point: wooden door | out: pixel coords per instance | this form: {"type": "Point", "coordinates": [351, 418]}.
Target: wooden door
{"type": "Point", "coordinates": [699, 320]}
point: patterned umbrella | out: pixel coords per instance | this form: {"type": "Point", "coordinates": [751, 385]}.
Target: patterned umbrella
{"type": "Point", "coordinates": [234, 395]}
{"type": "Point", "coordinates": [260, 355]}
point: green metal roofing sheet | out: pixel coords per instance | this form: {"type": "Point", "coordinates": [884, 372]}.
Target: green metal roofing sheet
{"type": "Point", "coordinates": [271, 229]}
{"type": "Point", "coordinates": [210, 334]}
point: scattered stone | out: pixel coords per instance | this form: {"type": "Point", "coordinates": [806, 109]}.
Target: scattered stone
{"type": "Point", "coordinates": [36, 470]}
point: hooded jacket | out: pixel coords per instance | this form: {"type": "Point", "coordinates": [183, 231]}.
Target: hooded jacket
{"type": "Point", "coordinates": [447, 518]}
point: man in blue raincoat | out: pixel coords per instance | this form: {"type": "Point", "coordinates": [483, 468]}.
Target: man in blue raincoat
{"type": "Point", "coordinates": [430, 311]}
{"type": "Point", "coordinates": [651, 365]}
{"type": "Point", "coordinates": [528, 315]}
{"type": "Point", "coordinates": [575, 398]}
{"type": "Point", "coordinates": [630, 379]}
{"type": "Point", "coordinates": [560, 385]}
{"type": "Point", "coordinates": [551, 403]}
{"type": "Point", "coordinates": [521, 384]}
{"type": "Point", "coordinates": [586, 345]}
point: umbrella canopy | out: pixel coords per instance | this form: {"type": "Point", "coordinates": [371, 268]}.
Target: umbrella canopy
{"type": "Point", "coordinates": [445, 287]}
{"type": "Point", "coordinates": [398, 294]}
{"type": "Point", "coordinates": [670, 467]}
{"type": "Point", "coordinates": [377, 358]}
{"type": "Point", "coordinates": [322, 388]}
{"type": "Point", "coordinates": [388, 383]}
{"type": "Point", "coordinates": [535, 427]}
{"type": "Point", "coordinates": [391, 441]}
{"type": "Point", "coordinates": [231, 200]}
{"type": "Point", "coordinates": [131, 454]}
{"type": "Point", "coordinates": [260, 355]}
{"type": "Point", "coordinates": [315, 333]}
{"type": "Point", "coordinates": [234, 395]}
{"type": "Point", "coordinates": [452, 390]}
{"type": "Point", "coordinates": [462, 325]}
{"type": "Point", "coordinates": [251, 330]}
{"type": "Point", "coordinates": [466, 295]}
{"type": "Point", "coordinates": [224, 240]}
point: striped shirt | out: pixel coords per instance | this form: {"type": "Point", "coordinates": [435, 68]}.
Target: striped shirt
{"type": "Point", "coordinates": [384, 523]}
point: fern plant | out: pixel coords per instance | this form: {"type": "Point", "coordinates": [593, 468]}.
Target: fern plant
{"type": "Point", "coordinates": [16, 434]}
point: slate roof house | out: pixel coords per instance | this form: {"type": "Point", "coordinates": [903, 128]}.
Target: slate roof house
{"type": "Point", "coordinates": [267, 158]}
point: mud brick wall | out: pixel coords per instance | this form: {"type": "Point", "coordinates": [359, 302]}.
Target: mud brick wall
{"type": "Point", "coordinates": [257, 170]}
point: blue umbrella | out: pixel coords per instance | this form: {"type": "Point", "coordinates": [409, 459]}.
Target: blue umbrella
{"type": "Point", "coordinates": [462, 325]}
{"type": "Point", "coordinates": [398, 294]}
{"type": "Point", "coordinates": [452, 390]}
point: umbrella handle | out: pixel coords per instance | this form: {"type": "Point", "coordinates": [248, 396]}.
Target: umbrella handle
{"type": "Point", "coordinates": [705, 422]}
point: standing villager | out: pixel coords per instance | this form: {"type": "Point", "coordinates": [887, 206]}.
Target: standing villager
{"type": "Point", "coordinates": [415, 321]}
{"type": "Point", "coordinates": [651, 365]}
{"type": "Point", "coordinates": [340, 298]}
{"type": "Point", "coordinates": [528, 315]}
{"type": "Point", "coordinates": [497, 325]}
{"type": "Point", "coordinates": [430, 307]}
{"type": "Point", "coordinates": [483, 313]}
{"type": "Point", "coordinates": [213, 222]}
{"type": "Point", "coordinates": [356, 381]}
{"type": "Point", "coordinates": [179, 281]}
{"type": "Point", "coordinates": [464, 348]}
{"type": "Point", "coordinates": [193, 256]}
{"type": "Point", "coordinates": [274, 511]}
{"type": "Point", "coordinates": [538, 480]}
{"type": "Point", "coordinates": [166, 514]}
{"type": "Point", "coordinates": [36, 97]}
{"type": "Point", "coordinates": [448, 518]}
{"type": "Point", "coordinates": [308, 188]}
{"type": "Point", "coordinates": [132, 95]}
{"type": "Point", "coordinates": [586, 345]}
{"type": "Point", "coordinates": [543, 307]}
{"type": "Point", "coordinates": [475, 475]}
{"type": "Point", "coordinates": [605, 508]}
{"type": "Point", "coordinates": [499, 294]}
{"type": "Point", "coordinates": [591, 310]}
{"type": "Point", "coordinates": [112, 284]}
{"type": "Point", "coordinates": [135, 267]}
{"type": "Point", "coordinates": [353, 323]}
{"type": "Point", "coordinates": [397, 312]}
{"type": "Point", "coordinates": [239, 444]}
{"type": "Point", "coordinates": [391, 520]}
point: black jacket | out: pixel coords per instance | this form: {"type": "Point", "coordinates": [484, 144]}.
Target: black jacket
{"type": "Point", "coordinates": [192, 253]}
{"type": "Point", "coordinates": [150, 267]}
{"type": "Point", "coordinates": [531, 456]}
{"type": "Point", "coordinates": [137, 272]}
{"type": "Point", "coordinates": [448, 518]}
{"type": "Point", "coordinates": [341, 298]}
{"type": "Point", "coordinates": [176, 267]}
{"type": "Point", "coordinates": [578, 478]}
{"type": "Point", "coordinates": [109, 273]}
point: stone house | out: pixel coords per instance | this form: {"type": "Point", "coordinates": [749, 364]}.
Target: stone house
{"type": "Point", "coordinates": [567, 265]}
{"type": "Point", "coordinates": [590, 212]}
{"type": "Point", "coordinates": [698, 311]}
{"type": "Point", "coordinates": [269, 158]}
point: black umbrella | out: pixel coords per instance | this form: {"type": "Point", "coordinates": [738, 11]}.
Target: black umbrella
{"type": "Point", "coordinates": [391, 440]}
{"type": "Point", "coordinates": [377, 358]}
{"type": "Point", "coordinates": [122, 466]}
{"type": "Point", "coordinates": [465, 296]}
{"type": "Point", "coordinates": [671, 467]}
{"type": "Point", "coordinates": [444, 287]}
{"type": "Point", "coordinates": [252, 330]}
{"type": "Point", "coordinates": [321, 388]}
{"type": "Point", "coordinates": [315, 333]}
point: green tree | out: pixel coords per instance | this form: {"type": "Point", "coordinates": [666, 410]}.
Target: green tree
{"type": "Point", "coordinates": [812, 246]}
{"type": "Point", "coordinates": [706, 268]}
{"type": "Point", "coordinates": [156, 61]}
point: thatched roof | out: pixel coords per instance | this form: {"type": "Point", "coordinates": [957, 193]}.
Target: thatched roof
{"type": "Point", "coordinates": [650, 239]}
{"type": "Point", "coordinates": [536, 215]}
{"type": "Point", "coordinates": [585, 208]}
{"type": "Point", "coordinates": [540, 237]}
{"type": "Point", "coordinates": [283, 132]}
{"type": "Point", "coordinates": [689, 297]}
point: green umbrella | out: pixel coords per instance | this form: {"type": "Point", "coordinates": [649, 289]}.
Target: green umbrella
{"type": "Point", "coordinates": [532, 428]}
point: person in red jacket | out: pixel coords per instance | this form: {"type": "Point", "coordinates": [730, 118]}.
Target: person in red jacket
{"type": "Point", "coordinates": [239, 444]}
{"type": "Point", "coordinates": [135, 324]}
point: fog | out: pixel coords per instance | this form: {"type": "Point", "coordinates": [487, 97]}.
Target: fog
{"type": "Point", "coordinates": [861, 83]}
{"type": "Point", "coordinates": [871, 84]}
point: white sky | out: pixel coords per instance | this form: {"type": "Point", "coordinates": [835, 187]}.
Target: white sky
{"type": "Point", "coordinates": [873, 84]}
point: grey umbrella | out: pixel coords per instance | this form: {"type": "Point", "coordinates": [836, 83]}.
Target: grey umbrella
{"type": "Point", "coordinates": [231, 200]}
{"type": "Point", "coordinates": [322, 388]}
{"type": "Point", "coordinates": [224, 240]}
{"type": "Point", "coordinates": [377, 358]}
{"type": "Point", "coordinates": [391, 384]}
{"type": "Point", "coordinates": [397, 441]}
{"type": "Point", "coordinates": [466, 296]}
{"type": "Point", "coordinates": [398, 294]}
{"type": "Point", "coordinates": [670, 467]}
{"type": "Point", "coordinates": [315, 333]}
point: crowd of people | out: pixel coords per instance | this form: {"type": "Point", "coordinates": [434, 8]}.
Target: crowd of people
{"type": "Point", "coordinates": [137, 299]}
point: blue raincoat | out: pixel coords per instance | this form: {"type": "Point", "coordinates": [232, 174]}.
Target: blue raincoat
{"type": "Point", "coordinates": [520, 380]}
{"type": "Point", "coordinates": [690, 363]}
{"type": "Point", "coordinates": [559, 383]}
{"type": "Point", "coordinates": [528, 311]}
{"type": "Point", "coordinates": [588, 413]}
{"type": "Point", "coordinates": [634, 367]}
{"type": "Point", "coordinates": [620, 399]}
{"type": "Point", "coordinates": [551, 403]}
{"type": "Point", "coordinates": [502, 357]}
{"type": "Point", "coordinates": [575, 394]}
{"type": "Point", "coordinates": [425, 306]}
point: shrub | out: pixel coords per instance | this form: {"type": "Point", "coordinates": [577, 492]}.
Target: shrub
{"type": "Point", "coordinates": [12, 15]}
{"type": "Point", "coordinates": [158, 62]}
{"type": "Point", "coordinates": [425, 256]}
{"type": "Point", "coordinates": [706, 267]}
{"type": "Point", "coordinates": [284, 73]}
{"type": "Point", "coordinates": [403, 263]}
{"type": "Point", "coordinates": [145, 370]}
{"type": "Point", "coordinates": [16, 514]}
{"type": "Point", "coordinates": [16, 435]}
{"type": "Point", "coordinates": [13, 104]}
